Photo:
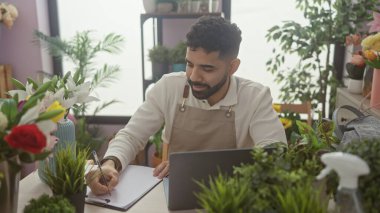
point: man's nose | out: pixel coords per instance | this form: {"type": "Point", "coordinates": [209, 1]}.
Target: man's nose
{"type": "Point", "coordinates": [195, 74]}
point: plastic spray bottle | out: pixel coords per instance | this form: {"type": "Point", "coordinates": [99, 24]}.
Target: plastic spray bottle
{"type": "Point", "coordinates": [349, 167]}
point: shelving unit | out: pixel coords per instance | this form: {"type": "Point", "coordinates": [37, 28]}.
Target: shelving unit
{"type": "Point", "coordinates": [158, 33]}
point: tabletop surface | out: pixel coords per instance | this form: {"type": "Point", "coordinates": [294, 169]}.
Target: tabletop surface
{"type": "Point", "coordinates": [154, 201]}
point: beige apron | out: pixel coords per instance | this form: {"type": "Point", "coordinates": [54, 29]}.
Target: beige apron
{"type": "Point", "coordinates": [198, 129]}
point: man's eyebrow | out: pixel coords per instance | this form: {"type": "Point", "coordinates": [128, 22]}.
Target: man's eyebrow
{"type": "Point", "coordinates": [202, 65]}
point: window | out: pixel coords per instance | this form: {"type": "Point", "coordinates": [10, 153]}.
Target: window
{"type": "Point", "coordinates": [123, 17]}
{"type": "Point", "coordinates": [103, 17]}
{"type": "Point", "coordinates": [255, 19]}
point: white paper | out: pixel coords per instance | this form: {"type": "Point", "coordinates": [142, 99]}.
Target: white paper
{"type": "Point", "coordinates": [134, 183]}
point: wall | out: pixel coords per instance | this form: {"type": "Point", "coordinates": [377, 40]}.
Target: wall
{"type": "Point", "coordinates": [17, 46]}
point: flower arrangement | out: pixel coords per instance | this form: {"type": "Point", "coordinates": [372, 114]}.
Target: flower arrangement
{"type": "Point", "coordinates": [25, 126]}
{"type": "Point", "coordinates": [371, 49]}
{"type": "Point", "coordinates": [355, 68]}
{"type": "Point", "coordinates": [8, 14]}
{"type": "Point", "coordinates": [28, 118]}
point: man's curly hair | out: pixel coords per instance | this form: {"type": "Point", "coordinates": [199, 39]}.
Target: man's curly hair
{"type": "Point", "coordinates": [214, 33]}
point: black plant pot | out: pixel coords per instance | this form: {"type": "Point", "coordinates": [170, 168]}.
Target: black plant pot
{"type": "Point", "coordinates": [77, 200]}
{"type": "Point", "coordinates": [159, 69]}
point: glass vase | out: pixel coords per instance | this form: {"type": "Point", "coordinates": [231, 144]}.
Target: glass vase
{"type": "Point", "coordinates": [367, 81]}
{"type": "Point", "coordinates": [9, 185]}
{"type": "Point", "coordinates": [375, 93]}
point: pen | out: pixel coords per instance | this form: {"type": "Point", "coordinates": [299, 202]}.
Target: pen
{"type": "Point", "coordinates": [103, 178]}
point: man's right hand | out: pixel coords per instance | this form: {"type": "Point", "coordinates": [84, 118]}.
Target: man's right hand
{"type": "Point", "coordinates": [94, 180]}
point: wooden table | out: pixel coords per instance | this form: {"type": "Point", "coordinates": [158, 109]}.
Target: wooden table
{"type": "Point", "coordinates": [155, 201]}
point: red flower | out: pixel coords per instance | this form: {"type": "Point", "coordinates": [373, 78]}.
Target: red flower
{"type": "Point", "coordinates": [26, 137]}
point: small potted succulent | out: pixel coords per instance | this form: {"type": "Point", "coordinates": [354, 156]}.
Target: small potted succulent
{"type": "Point", "coordinates": [355, 69]}
{"type": "Point", "coordinates": [177, 57]}
{"type": "Point", "coordinates": [158, 55]}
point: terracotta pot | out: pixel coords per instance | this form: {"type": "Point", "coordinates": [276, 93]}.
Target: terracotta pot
{"type": "Point", "coordinates": [155, 160]}
{"type": "Point", "coordinates": [375, 93]}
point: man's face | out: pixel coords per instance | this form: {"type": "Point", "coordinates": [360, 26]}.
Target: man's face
{"type": "Point", "coordinates": [207, 74]}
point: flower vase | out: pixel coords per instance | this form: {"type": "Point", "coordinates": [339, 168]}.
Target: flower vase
{"type": "Point", "coordinates": [367, 81]}
{"type": "Point", "coordinates": [66, 138]}
{"type": "Point", "coordinates": [355, 86]}
{"type": "Point", "coordinates": [375, 92]}
{"type": "Point", "coordinates": [9, 185]}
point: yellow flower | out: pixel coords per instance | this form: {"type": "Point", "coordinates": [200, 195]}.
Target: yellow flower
{"type": "Point", "coordinates": [277, 107]}
{"type": "Point", "coordinates": [286, 122]}
{"type": "Point", "coordinates": [370, 55]}
{"type": "Point", "coordinates": [56, 106]}
{"type": "Point", "coordinates": [371, 42]}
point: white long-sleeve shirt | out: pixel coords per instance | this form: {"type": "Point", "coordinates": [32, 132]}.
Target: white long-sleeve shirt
{"type": "Point", "coordinates": [251, 101]}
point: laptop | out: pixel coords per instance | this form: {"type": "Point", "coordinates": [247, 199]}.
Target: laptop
{"type": "Point", "coordinates": [185, 167]}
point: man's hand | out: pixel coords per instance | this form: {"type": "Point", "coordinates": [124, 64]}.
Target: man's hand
{"type": "Point", "coordinates": [93, 178]}
{"type": "Point", "coordinates": [162, 170]}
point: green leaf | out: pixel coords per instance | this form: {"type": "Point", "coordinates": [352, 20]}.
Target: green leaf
{"type": "Point", "coordinates": [43, 88]}
{"type": "Point", "coordinates": [50, 114]}
{"type": "Point", "coordinates": [9, 108]}
{"type": "Point", "coordinates": [17, 84]}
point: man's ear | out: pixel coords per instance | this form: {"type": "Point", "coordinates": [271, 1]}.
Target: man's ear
{"type": "Point", "coordinates": [235, 63]}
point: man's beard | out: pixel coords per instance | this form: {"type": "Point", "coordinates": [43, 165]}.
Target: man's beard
{"type": "Point", "coordinates": [209, 91]}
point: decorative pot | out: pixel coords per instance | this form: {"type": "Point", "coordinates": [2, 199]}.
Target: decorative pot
{"type": "Point", "coordinates": [78, 200]}
{"type": "Point", "coordinates": [178, 67]}
{"type": "Point", "coordinates": [355, 86]}
{"type": "Point", "coordinates": [66, 135]}
{"type": "Point", "coordinates": [149, 6]}
{"type": "Point", "coordinates": [9, 185]}
{"type": "Point", "coordinates": [155, 160]}
{"type": "Point", "coordinates": [367, 81]}
{"type": "Point", "coordinates": [375, 92]}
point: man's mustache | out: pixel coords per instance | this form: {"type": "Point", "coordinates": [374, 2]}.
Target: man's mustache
{"type": "Point", "coordinates": [195, 83]}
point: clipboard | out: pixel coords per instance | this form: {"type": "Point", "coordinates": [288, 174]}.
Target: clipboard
{"type": "Point", "coordinates": [134, 183]}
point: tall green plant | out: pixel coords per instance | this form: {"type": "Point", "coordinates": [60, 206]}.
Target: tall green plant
{"type": "Point", "coordinates": [328, 23]}
{"type": "Point", "coordinates": [82, 51]}
{"type": "Point", "coordinates": [66, 176]}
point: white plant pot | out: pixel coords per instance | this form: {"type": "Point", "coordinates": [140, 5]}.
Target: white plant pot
{"type": "Point", "coordinates": [149, 6]}
{"type": "Point", "coordinates": [355, 86]}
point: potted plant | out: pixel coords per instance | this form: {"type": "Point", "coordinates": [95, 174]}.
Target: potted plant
{"type": "Point", "coordinates": [156, 141]}
{"type": "Point", "coordinates": [158, 55]}
{"type": "Point", "coordinates": [314, 77]}
{"type": "Point", "coordinates": [46, 204]}
{"type": "Point", "coordinates": [177, 57]}
{"type": "Point", "coordinates": [355, 69]}
{"type": "Point", "coordinates": [266, 184]}
{"type": "Point", "coordinates": [66, 177]}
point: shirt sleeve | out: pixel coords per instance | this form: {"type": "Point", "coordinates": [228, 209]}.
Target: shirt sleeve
{"type": "Point", "coordinates": [147, 120]}
{"type": "Point", "coordinates": [265, 127]}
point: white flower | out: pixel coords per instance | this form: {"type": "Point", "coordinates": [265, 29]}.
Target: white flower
{"type": "Point", "coordinates": [3, 121]}
{"type": "Point", "coordinates": [22, 94]}
{"type": "Point", "coordinates": [32, 114]}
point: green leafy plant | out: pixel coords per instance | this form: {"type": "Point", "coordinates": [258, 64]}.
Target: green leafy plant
{"type": "Point", "coordinates": [224, 194]}
{"type": "Point", "coordinates": [49, 204]}
{"type": "Point", "coordinates": [82, 51]}
{"type": "Point", "coordinates": [301, 198]}
{"type": "Point", "coordinates": [66, 177]}
{"type": "Point", "coordinates": [274, 176]}
{"type": "Point", "coordinates": [177, 55]}
{"type": "Point", "coordinates": [328, 23]}
{"type": "Point", "coordinates": [159, 54]}
{"type": "Point", "coordinates": [253, 187]}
